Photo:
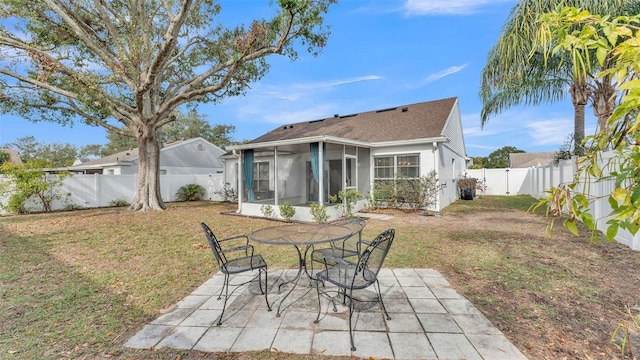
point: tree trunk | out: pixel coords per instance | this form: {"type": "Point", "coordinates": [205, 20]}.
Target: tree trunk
{"type": "Point", "coordinates": [604, 101]}
{"type": "Point", "coordinates": [148, 196]}
{"type": "Point", "coordinates": [579, 97]}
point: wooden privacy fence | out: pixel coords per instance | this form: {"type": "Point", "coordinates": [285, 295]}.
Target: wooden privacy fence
{"type": "Point", "coordinates": [536, 181]}
{"type": "Point", "coordinates": [98, 190]}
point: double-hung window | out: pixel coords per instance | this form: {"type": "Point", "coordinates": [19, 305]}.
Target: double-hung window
{"type": "Point", "coordinates": [396, 166]}
{"type": "Point", "coordinates": [393, 175]}
{"type": "Point", "coordinates": [408, 166]}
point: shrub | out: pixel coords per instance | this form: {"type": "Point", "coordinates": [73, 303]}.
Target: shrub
{"type": "Point", "coordinates": [119, 203]}
{"type": "Point", "coordinates": [421, 192]}
{"type": "Point", "coordinates": [287, 211]}
{"type": "Point", "coordinates": [467, 183]}
{"type": "Point", "coordinates": [227, 193]}
{"type": "Point", "coordinates": [415, 193]}
{"type": "Point", "coordinates": [190, 192]}
{"type": "Point", "coordinates": [319, 212]}
{"type": "Point", "coordinates": [348, 199]}
{"type": "Point", "coordinates": [267, 210]}
{"type": "Point", "coordinates": [29, 181]}
{"type": "Point", "coordinates": [71, 207]}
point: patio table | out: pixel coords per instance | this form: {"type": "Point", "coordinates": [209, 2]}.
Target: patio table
{"type": "Point", "coordinates": [298, 235]}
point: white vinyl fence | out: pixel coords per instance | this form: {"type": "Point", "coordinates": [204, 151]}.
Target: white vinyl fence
{"type": "Point", "coordinates": [535, 181]}
{"type": "Point", "coordinates": [100, 190]}
{"type": "Point", "coordinates": [97, 190]}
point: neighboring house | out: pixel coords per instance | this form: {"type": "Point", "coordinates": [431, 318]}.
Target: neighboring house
{"type": "Point", "coordinates": [286, 164]}
{"type": "Point", "coordinates": [525, 160]}
{"type": "Point", "coordinates": [14, 157]}
{"type": "Point", "coordinates": [193, 156]}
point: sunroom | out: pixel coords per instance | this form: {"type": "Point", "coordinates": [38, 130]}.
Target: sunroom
{"type": "Point", "coordinates": [298, 173]}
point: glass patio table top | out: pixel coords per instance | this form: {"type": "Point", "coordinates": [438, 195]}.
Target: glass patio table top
{"type": "Point", "coordinates": [301, 234]}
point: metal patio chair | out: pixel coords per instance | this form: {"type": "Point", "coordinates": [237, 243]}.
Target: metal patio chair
{"type": "Point", "coordinates": [348, 276]}
{"type": "Point", "coordinates": [235, 255]}
{"type": "Point", "coordinates": [345, 249]}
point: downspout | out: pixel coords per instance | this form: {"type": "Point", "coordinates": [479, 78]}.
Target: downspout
{"type": "Point", "coordinates": [239, 180]}
{"type": "Point", "coordinates": [437, 170]}
{"type": "Point", "coordinates": [321, 198]}
{"type": "Point", "coordinates": [344, 173]}
{"type": "Point", "coordinates": [275, 175]}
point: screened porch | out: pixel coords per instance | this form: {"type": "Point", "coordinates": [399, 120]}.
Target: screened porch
{"type": "Point", "coordinates": [300, 174]}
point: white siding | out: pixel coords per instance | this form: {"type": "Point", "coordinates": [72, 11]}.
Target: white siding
{"type": "Point", "coordinates": [453, 131]}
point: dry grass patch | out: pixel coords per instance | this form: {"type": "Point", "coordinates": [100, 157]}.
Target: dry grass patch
{"type": "Point", "coordinates": [78, 284]}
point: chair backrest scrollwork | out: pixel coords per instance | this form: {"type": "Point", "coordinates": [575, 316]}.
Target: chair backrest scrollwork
{"type": "Point", "coordinates": [372, 257]}
{"type": "Point", "coordinates": [215, 246]}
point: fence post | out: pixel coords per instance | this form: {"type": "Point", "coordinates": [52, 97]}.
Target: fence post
{"type": "Point", "coordinates": [507, 172]}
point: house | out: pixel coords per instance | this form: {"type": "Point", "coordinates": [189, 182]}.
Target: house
{"type": "Point", "coordinates": [358, 151]}
{"type": "Point", "coordinates": [14, 157]}
{"type": "Point", "coordinates": [193, 156]}
{"type": "Point", "coordinates": [525, 160]}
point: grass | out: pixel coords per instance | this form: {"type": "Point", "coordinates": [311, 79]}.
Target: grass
{"type": "Point", "coordinates": [78, 284]}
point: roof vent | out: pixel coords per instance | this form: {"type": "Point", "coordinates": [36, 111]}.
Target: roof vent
{"type": "Point", "coordinates": [335, 115]}
{"type": "Point", "coordinates": [404, 109]}
{"type": "Point", "coordinates": [287, 127]}
{"type": "Point", "coordinates": [383, 110]}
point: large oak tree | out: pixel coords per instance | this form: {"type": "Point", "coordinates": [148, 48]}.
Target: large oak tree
{"type": "Point", "coordinates": [126, 65]}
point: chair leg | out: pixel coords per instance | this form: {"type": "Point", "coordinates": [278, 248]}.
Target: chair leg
{"type": "Point", "coordinates": [262, 291]}
{"type": "Point", "coordinates": [266, 287]}
{"type": "Point", "coordinates": [384, 309]}
{"type": "Point", "coordinates": [226, 297]}
{"type": "Point", "coordinates": [319, 303]}
{"type": "Point", "coordinates": [351, 308]}
{"type": "Point", "coordinates": [224, 285]}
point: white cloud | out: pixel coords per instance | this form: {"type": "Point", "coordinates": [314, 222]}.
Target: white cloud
{"type": "Point", "coordinates": [446, 7]}
{"type": "Point", "coordinates": [290, 103]}
{"type": "Point", "coordinates": [550, 131]}
{"type": "Point", "coordinates": [525, 128]}
{"type": "Point", "coordinates": [333, 83]}
{"type": "Point", "coordinates": [446, 72]}
{"type": "Point", "coordinates": [280, 105]}
{"type": "Point", "coordinates": [295, 116]}
{"type": "Point", "coordinates": [437, 76]}
{"type": "Point", "coordinates": [472, 128]}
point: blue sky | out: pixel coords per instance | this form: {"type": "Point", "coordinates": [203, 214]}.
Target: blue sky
{"type": "Point", "coordinates": [380, 54]}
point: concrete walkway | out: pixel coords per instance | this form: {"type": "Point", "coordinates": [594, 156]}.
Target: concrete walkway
{"type": "Point", "coordinates": [429, 320]}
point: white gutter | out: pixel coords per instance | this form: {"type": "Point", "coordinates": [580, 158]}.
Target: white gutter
{"type": "Point", "coordinates": [440, 139]}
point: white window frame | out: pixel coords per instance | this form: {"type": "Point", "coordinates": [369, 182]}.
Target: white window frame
{"type": "Point", "coordinates": [396, 166]}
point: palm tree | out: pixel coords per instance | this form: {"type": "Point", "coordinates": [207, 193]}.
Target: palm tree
{"type": "Point", "coordinates": [516, 72]}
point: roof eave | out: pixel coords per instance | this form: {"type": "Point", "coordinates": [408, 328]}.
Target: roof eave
{"type": "Point", "coordinates": [439, 139]}
{"type": "Point", "coordinates": [305, 140]}
{"type": "Point", "coordinates": [99, 166]}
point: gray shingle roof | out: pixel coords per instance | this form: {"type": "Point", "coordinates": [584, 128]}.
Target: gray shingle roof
{"type": "Point", "coordinates": [113, 158]}
{"type": "Point", "coordinates": [405, 122]}
{"type": "Point", "coordinates": [525, 160]}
